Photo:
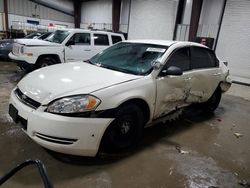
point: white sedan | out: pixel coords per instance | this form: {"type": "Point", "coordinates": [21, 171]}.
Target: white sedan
{"type": "Point", "coordinates": [75, 108]}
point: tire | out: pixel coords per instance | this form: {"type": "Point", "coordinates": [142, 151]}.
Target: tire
{"type": "Point", "coordinates": [126, 130]}
{"type": "Point", "coordinates": [44, 62]}
{"type": "Point", "coordinates": [213, 102]}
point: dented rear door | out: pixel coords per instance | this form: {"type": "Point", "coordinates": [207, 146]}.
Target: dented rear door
{"type": "Point", "coordinates": [205, 75]}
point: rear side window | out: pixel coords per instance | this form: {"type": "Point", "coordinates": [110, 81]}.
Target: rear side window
{"type": "Point", "coordinates": [116, 39]}
{"type": "Point", "coordinates": [203, 58]}
{"type": "Point", "coordinates": [101, 40]}
{"type": "Point", "coordinates": [180, 58]}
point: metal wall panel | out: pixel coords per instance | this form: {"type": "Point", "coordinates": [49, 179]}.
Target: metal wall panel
{"type": "Point", "coordinates": [1, 5]}
{"type": "Point", "coordinates": [152, 19]}
{"type": "Point", "coordinates": [28, 8]}
{"type": "Point", "coordinates": [234, 39]}
{"type": "Point", "coordinates": [99, 11]}
{"type": "Point", "coordinates": [11, 6]}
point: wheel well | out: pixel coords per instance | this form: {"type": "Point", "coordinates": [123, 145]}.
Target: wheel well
{"type": "Point", "coordinates": [219, 86]}
{"type": "Point", "coordinates": [52, 56]}
{"type": "Point", "coordinates": [143, 106]}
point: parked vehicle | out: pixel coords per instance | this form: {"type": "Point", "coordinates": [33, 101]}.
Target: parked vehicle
{"type": "Point", "coordinates": [5, 48]}
{"type": "Point", "coordinates": [6, 45]}
{"type": "Point", "coordinates": [73, 108]}
{"type": "Point", "coordinates": [62, 46]}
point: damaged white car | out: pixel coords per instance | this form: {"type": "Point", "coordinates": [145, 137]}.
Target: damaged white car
{"type": "Point", "coordinates": [73, 108]}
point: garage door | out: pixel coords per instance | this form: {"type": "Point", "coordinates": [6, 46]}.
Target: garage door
{"type": "Point", "coordinates": [234, 39]}
{"type": "Point", "coordinates": [152, 19]}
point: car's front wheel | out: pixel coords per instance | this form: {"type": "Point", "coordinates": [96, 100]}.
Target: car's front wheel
{"type": "Point", "coordinates": [126, 130]}
{"type": "Point", "coordinates": [44, 62]}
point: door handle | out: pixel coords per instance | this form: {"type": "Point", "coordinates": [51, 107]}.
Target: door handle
{"type": "Point", "coordinates": [87, 50]}
{"type": "Point", "coordinates": [187, 78]}
{"type": "Point", "coordinates": [217, 74]}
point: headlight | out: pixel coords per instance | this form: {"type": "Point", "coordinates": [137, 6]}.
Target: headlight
{"type": "Point", "coordinates": [3, 45]}
{"type": "Point", "coordinates": [74, 104]}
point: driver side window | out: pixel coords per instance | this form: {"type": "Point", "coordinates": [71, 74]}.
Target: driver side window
{"type": "Point", "coordinates": [180, 58]}
{"type": "Point", "coordinates": [80, 39]}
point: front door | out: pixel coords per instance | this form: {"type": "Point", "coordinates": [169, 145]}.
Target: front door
{"type": "Point", "coordinates": [78, 48]}
{"type": "Point", "coordinates": [172, 91]}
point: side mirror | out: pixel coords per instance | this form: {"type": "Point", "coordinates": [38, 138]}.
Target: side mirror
{"type": "Point", "coordinates": [70, 43]}
{"type": "Point", "coordinates": [172, 70]}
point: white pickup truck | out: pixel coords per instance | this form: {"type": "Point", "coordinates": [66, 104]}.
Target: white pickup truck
{"type": "Point", "coordinates": [64, 45]}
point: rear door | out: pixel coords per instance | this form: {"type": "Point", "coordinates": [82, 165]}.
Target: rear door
{"type": "Point", "coordinates": [172, 91]}
{"type": "Point", "coordinates": [100, 42]}
{"type": "Point", "coordinates": [116, 38]}
{"type": "Point", "coordinates": [205, 75]}
{"type": "Point", "coordinates": [80, 47]}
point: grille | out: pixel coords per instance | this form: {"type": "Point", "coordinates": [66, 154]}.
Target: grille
{"type": "Point", "coordinates": [57, 140]}
{"type": "Point", "coordinates": [26, 100]}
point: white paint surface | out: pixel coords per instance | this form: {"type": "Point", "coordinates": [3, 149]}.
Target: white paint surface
{"type": "Point", "coordinates": [152, 19]}
{"type": "Point", "coordinates": [97, 11]}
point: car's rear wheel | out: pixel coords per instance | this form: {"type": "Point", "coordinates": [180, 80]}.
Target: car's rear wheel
{"type": "Point", "coordinates": [44, 62]}
{"type": "Point", "coordinates": [213, 102]}
{"type": "Point", "coordinates": [126, 130]}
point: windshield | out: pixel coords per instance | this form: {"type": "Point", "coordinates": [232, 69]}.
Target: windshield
{"type": "Point", "coordinates": [58, 36]}
{"type": "Point", "coordinates": [133, 58]}
{"type": "Point", "coordinates": [44, 36]}
{"type": "Point", "coordinates": [33, 35]}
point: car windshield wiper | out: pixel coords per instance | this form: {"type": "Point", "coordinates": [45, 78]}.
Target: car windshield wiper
{"type": "Point", "coordinates": [110, 67]}
{"type": "Point", "coordinates": [89, 61]}
{"type": "Point", "coordinates": [116, 69]}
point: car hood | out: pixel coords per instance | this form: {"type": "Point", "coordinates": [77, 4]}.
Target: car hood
{"type": "Point", "coordinates": [49, 83]}
{"type": "Point", "coordinates": [35, 42]}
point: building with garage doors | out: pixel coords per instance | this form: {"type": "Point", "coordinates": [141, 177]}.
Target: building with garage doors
{"type": "Point", "coordinates": [224, 22]}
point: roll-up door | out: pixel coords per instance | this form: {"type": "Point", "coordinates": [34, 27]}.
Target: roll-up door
{"type": "Point", "coordinates": [234, 39]}
{"type": "Point", "coordinates": [152, 19]}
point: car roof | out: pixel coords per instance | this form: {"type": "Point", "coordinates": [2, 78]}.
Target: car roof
{"type": "Point", "coordinates": [86, 30]}
{"type": "Point", "coordinates": [165, 42]}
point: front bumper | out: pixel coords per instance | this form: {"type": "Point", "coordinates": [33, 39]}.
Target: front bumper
{"type": "Point", "coordinates": [225, 85]}
{"type": "Point", "coordinates": [22, 61]}
{"type": "Point", "coordinates": [70, 135]}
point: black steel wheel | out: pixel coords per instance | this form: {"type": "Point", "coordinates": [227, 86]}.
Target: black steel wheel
{"type": "Point", "coordinates": [126, 130]}
{"type": "Point", "coordinates": [44, 62]}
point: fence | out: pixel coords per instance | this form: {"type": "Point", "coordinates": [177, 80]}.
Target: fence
{"type": "Point", "coordinates": [104, 26]}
